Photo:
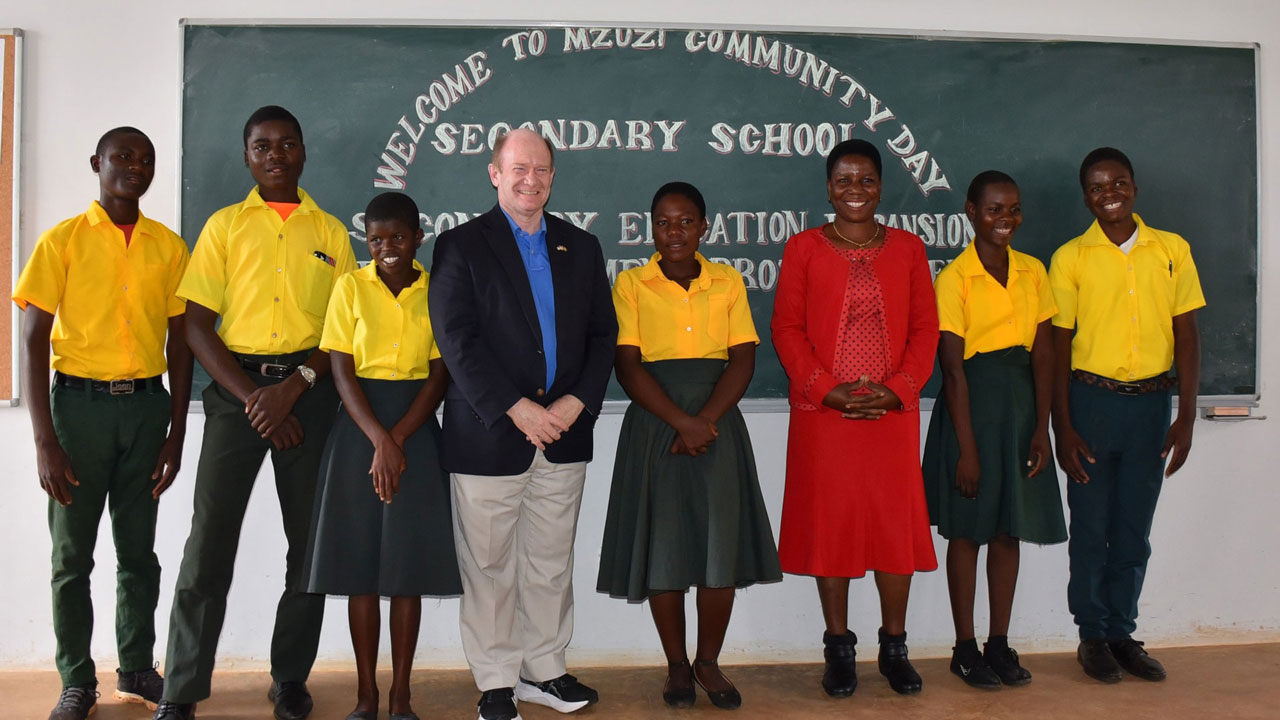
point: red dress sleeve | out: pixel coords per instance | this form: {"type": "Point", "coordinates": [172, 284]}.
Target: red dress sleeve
{"type": "Point", "coordinates": [922, 333]}
{"type": "Point", "coordinates": [790, 326]}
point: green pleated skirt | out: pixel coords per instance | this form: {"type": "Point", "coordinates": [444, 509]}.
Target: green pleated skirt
{"type": "Point", "coordinates": [362, 546]}
{"type": "Point", "coordinates": [1002, 409]}
{"type": "Point", "coordinates": [676, 521]}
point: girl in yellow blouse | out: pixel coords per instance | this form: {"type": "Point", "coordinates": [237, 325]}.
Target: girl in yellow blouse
{"type": "Point", "coordinates": [382, 522]}
{"type": "Point", "coordinates": [685, 508]}
{"type": "Point", "coordinates": [988, 468]}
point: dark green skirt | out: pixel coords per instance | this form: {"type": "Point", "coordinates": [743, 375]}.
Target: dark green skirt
{"type": "Point", "coordinates": [362, 546]}
{"type": "Point", "coordinates": [1002, 409]}
{"type": "Point", "coordinates": [676, 521]}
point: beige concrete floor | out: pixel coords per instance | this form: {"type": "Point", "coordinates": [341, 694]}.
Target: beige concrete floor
{"type": "Point", "coordinates": [1219, 682]}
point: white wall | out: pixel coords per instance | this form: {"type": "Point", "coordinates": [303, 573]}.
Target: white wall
{"type": "Point", "coordinates": [94, 65]}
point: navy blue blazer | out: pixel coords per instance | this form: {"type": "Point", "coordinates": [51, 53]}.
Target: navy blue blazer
{"type": "Point", "coordinates": [486, 326]}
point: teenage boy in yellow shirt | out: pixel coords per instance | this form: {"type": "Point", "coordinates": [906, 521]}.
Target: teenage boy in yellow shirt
{"type": "Point", "coordinates": [100, 288]}
{"type": "Point", "coordinates": [1127, 297]}
{"type": "Point", "coordinates": [266, 266]}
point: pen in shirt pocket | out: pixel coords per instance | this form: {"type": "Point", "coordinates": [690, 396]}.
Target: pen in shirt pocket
{"type": "Point", "coordinates": [331, 261]}
{"type": "Point", "coordinates": [1170, 268]}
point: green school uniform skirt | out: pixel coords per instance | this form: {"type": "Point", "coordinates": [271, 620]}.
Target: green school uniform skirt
{"type": "Point", "coordinates": [1002, 409]}
{"type": "Point", "coordinates": [362, 546]}
{"type": "Point", "coordinates": [676, 521]}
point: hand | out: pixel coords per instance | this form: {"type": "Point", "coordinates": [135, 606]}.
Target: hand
{"type": "Point", "coordinates": [1071, 447]}
{"type": "Point", "coordinates": [1178, 440]}
{"type": "Point", "coordinates": [967, 472]}
{"type": "Point", "coordinates": [868, 395]}
{"type": "Point", "coordinates": [540, 426]}
{"type": "Point", "coordinates": [567, 408]}
{"type": "Point", "coordinates": [1039, 452]}
{"type": "Point", "coordinates": [388, 464]}
{"type": "Point", "coordinates": [167, 464]}
{"type": "Point", "coordinates": [693, 435]}
{"type": "Point", "coordinates": [268, 405]}
{"type": "Point", "coordinates": [54, 468]}
{"type": "Point", "coordinates": [288, 434]}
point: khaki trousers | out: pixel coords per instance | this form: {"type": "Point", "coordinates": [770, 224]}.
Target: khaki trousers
{"type": "Point", "coordinates": [514, 535]}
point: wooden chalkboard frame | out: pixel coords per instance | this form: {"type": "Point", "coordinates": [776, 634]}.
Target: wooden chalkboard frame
{"type": "Point", "coordinates": [779, 404]}
{"type": "Point", "coordinates": [11, 41]}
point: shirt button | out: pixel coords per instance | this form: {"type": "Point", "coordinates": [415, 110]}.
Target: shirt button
{"type": "Point", "coordinates": [277, 299]}
{"type": "Point", "coordinates": [1130, 291]}
{"type": "Point", "coordinates": [126, 287]}
{"type": "Point", "coordinates": [397, 306]}
{"type": "Point", "coordinates": [273, 334]}
{"type": "Point", "coordinates": [279, 269]}
{"type": "Point", "coordinates": [281, 236]}
{"type": "Point", "coordinates": [686, 299]}
{"type": "Point", "coordinates": [540, 392]}
{"type": "Point", "coordinates": [393, 374]}
{"type": "Point", "coordinates": [395, 344]}
{"type": "Point", "coordinates": [688, 329]}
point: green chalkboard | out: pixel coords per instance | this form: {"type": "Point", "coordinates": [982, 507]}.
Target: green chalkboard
{"type": "Point", "coordinates": [747, 116]}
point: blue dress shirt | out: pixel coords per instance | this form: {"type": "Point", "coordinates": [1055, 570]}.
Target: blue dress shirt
{"type": "Point", "coordinates": [533, 252]}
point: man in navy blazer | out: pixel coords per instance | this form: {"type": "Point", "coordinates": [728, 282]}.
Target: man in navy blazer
{"type": "Point", "coordinates": [522, 313]}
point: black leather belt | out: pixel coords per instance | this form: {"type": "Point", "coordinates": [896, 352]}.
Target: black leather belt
{"type": "Point", "coordinates": [266, 369]}
{"type": "Point", "coordinates": [1141, 387]}
{"type": "Point", "coordinates": [112, 387]}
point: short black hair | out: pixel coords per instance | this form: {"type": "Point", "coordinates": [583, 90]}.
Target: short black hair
{"type": "Point", "coordinates": [984, 179]}
{"type": "Point", "coordinates": [267, 113]}
{"type": "Point", "coordinates": [854, 146]}
{"type": "Point", "coordinates": [114, 133]}
{"type": "Point", "coordinates": [393, 206]}
{"type": "Point", "coordinates": [683, 189]}
{"type": "Point", "coordinates": [1104, 154]}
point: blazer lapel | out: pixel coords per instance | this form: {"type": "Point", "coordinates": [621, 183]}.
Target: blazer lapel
{"type": "Point", "coordinates": [558, 251]}
{"type": "Point", "coordinates": [503, 243]}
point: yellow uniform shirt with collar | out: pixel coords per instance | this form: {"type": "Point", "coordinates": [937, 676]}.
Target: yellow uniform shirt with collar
{"type": "Point", "coordinates": [668, 322]}
{"type": "Point", "coordinates": [988, 315]}
{"type": "Point", "coordinates": [111, 302]}
{"type": "Point", "coordinates": [1122, 306]}
{"type": "Point", "coordinates": [269, 280]}
{"type": "Point", "coordinates": [389, 336]}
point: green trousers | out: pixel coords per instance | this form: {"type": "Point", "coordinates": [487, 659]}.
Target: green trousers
{"type": "Point", "coordinates": [230, 457]}
{"type": "Point", "coordinates": [113, 442]}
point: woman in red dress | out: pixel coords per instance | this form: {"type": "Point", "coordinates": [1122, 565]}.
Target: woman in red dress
{"type": "Point", "coordinates": [855, 325]}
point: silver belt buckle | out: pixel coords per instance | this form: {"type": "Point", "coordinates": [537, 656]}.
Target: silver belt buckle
{"type": "Point", "coordinates": [121, 387]}
{"type": "Point", "coordinates": [274, 370]}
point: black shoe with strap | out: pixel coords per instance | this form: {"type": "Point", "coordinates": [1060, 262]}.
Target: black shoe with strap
{"type": "Point", "coordinates": [1095, 657]}
{"type": "Point", "coordinates": [166, 710]}
{"type": "Point", "coordinates": [970, 666]}
{"type": "Point", "coordinates": [679, 693]}
{"type": "Point", "coordinates": [292, 700]}
{"type": "Point", "coordinates": [1004, 660]}
{"type": "Point", "coordinates": [729, 699]}
{"type": "Point", "coordinates": [840, 678]}
{"type": "Point", "coordinates": [895, 666]}
{"type": "Point", "coordinates": [141, 686]}
{"type": "Point", "coordinates": [76, 702]}
{"type": "Point", "coordinates": [498, 704]}
{"type": "Point", "coordinates": [1131, 656]}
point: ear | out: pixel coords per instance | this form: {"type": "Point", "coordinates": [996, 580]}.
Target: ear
{"type": "Point", "coordinates": [417, 238]}
{"type": "Point", "coordinates": [493, 174]}
{"type": "Point", "coordinates": [970, 211]}
{"type": "Point", "coordinates": [95, 162]}
{"type": "Point", "coordinates": [246, 157]}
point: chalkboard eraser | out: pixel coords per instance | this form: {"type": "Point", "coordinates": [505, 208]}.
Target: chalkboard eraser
{"type": "Point", "coordinates": [1229, 412]}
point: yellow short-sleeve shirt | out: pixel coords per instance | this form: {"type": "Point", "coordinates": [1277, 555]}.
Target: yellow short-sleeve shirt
{"type": "Point", "coordinates": [111, 301]}
{"type": "Point", "coordinates": [668, 322]}
{"type": "Point", "coordinates": [988, 315]}
{"type": "Point", "coordinates": [269, 279]}
{"type": "Point", "coordinates": [1122, 306]}
{"type": "Point", "coordinates": [389, 336]}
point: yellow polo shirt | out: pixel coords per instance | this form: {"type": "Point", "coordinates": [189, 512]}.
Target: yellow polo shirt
{"type": "Point", "coordinates": [668, 322]}
{"type": "Point", "coordinates": [269, 279]}
{"type": "Point", "coordinates": [988, 315]}
{"type": "Point", "coordinates": [111, 302]}
{"type": "Point", "coordinates": [1122, 306]}
{"type": "Point", "coordinates": [389, 335]}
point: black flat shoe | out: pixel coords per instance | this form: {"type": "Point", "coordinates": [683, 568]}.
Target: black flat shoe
{"type": "Point", "coordinates": [895, 666]}
{"type": "Point", "coordinates": [840, 678]}
{"type": "Point", "coordinates": [729, 699]}
{"type": "Point", "coordinates": [1004, 660]}
{"type": "Point", "coordinates": [1131, 656]}
{"type": "Point", "coordinates": [968, 664]}
{"type": "Point", "coordinates": [363, 715]}
{"type": "Point", "coordinates": [681, 696]}
{"type": "Point", "coordinates": [1095, 657]}
{"type": "Point", "coordinates": [292, 700]}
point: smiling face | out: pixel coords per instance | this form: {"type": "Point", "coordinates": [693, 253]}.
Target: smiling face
{"type": "Point", "coordinates": [677, 227]}
{"type": "Point", "coordinates": [392, 245]}
{"type": "Point", "coordinates": [997, 214]}
{"type": "Point", "coordinates": [1109, 192]}
{"type": "Point", "coordinates": [854, 189]}
{"type": "Point", "coordinates": [523, 175]}
{"type": "Point", "coordinates": [126, 167]}
{"type": "Point", "coordinates": [275, 155]}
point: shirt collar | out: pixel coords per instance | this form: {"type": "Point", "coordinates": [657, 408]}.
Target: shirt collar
{"type": "Point", "coordinates": [652, 270]}
{"type": "Point", "coordinates": [98, 215]}
{"type": "Point", "coordinates": [519, 232]}
{"type": "Point", "coordinates": [969, 264]}
{"type": "Point", "coordinates": [305, 203]}
{"type": "Point", "coordinates": [1095, 236]}
{"type": "Point", "coordinates": [369, 273]}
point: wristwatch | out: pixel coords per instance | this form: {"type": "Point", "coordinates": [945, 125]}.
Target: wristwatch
{"type": "Point", "coordinates": [307, 374]}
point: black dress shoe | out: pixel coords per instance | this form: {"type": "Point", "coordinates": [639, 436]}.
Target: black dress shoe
{"type": "Point", "coordinates": [895, 666]}
{"type": "Point", "coordinates": [840, 678]}
{"type": "Point", "coordinates": [1095, 657]}
{"type": "Point", "coordinates": [1131, 656]}
{"type": "Point", "coordinates": [679, 693]}
{"type": "Point", "coordinates": [292, 700]}
{"type": "Point", "coordinates": [969, 665]}
{"type": "Point", "coordinates": [1004, 660]}
{"type": "Point", "coordinates": [166, 710]}
{"type": "Point", "coordinates": [729, 699]}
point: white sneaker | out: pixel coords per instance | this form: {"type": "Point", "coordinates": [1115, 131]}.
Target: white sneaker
{"type": "Point", "coordinates": [563, 694]}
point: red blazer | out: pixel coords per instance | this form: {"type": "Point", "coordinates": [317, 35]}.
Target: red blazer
{"type": "Point", "coordinates": [809, 302]}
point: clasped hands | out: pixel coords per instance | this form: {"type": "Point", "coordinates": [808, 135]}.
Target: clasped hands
{"type": "Point", "coordinates": [270, 411]}
{"type": "Point", "coordinates": [862, 400]}
{"type": "Point", "coordinates": [544, 425]}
